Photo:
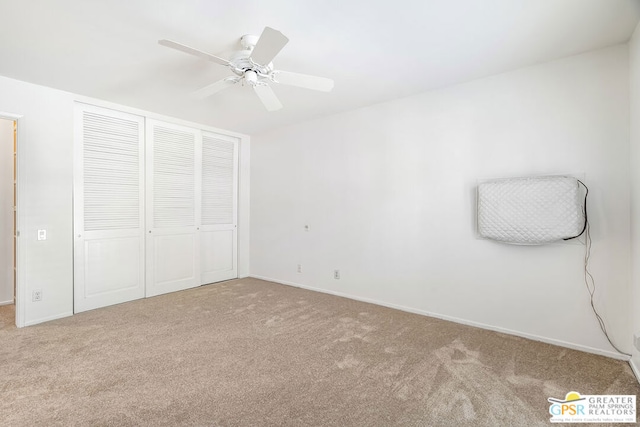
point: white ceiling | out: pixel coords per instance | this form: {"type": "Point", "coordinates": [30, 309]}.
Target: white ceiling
{"type": "Point", "coordinates": [374, 50]}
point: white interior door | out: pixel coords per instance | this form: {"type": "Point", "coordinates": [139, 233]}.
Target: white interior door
{"type": "Point", "coordinates": [173, 207]}
{"type": "Point", "coordinates": [218, 230]}
{"type": "Point", "coordinates": [108, 207]}
{"type": "Point", "coordinates": [6, 211]}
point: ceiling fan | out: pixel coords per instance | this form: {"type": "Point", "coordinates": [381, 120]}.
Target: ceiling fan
{"type": "Point", "coordinates": [252, 65]}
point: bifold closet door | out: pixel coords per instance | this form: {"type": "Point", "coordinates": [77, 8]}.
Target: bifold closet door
{"type": "Point", "coordinates": [173, 207]}
{"type": "Point", "coordinates": [218, 230]}
{"type": "Point", "coordinates": [108, 207]}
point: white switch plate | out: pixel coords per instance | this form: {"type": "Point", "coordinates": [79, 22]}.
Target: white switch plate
{"type": "Point", "coordinates": [42, 234]}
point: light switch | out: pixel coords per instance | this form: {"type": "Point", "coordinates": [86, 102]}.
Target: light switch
{"type": "Point", "coordinates": [42, 234]}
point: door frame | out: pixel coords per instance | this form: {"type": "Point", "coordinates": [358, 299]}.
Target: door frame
{"type": "Point", "coordinates": [20, 216]}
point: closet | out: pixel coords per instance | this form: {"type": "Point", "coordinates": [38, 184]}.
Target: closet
{"type": "Point", "coordinates": [155, 207]}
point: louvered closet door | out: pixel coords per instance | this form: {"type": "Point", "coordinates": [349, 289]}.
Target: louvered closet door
{"type": "Point", "coordinates": [108, 207]}
{"type": "Point", "coordinates": [173, 207]}
{"type": "Point", "coordinates": [218, 232]}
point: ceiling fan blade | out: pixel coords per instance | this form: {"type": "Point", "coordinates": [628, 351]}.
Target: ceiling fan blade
{"type": "Point", "coordinates": [269, 44]}
{"type": "Point", "coordinates": [268, 97]}
{"type": "Point", "coordinates": [215, 87]}
{"type": "Point", "coordinates": [192, 51]}
{"type": "Point", "coordinates": [303, 80]}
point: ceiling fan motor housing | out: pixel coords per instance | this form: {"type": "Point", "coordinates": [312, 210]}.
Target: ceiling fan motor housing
{"type": "Point", "coordinates": [248, 41]}
{"type": "Point", "coordinates": [240, 62]}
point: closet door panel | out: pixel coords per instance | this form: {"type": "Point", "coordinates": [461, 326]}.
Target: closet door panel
{"type": "Point", "coordinates": [217, 250]}
{"type": "Point", "coordinates": [112, 265]}
{"type": "Point", "coordinates": [173, 207]}
{"type": "Point", "coordinates": [219, 208]}
{"type": "Point", "coordinates": [174, 262]}
{"type": "Point", "coordinates": [108, 207]}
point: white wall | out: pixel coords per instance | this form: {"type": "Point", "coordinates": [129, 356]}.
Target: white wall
{"type": "Point", "coordinates": [388, 193]}
{"type": "Point", "coordinates": [45, 151]}
{"type": "Point", "coordinates": [6, 211]}
{"type": "Point", "coordinates": [45, 182]}
{"type": "Point", "coordinates": [634, 74]}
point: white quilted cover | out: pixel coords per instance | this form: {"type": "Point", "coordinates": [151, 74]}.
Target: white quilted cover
{"type": "Point", "coordinates": [530, 211]}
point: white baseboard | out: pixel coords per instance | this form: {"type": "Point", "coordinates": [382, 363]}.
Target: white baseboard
{"type": "Point", "coordinates": [6, 302]}
{"type": "Point", "coordinates": [46, 319]}
{"type": "Point", "coordinates": [560, 343]}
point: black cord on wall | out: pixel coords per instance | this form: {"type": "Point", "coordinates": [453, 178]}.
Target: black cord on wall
{"type": "Point", "coordinates": [588, 277]}
{"type": "Point", "coordinates": [584, 212]}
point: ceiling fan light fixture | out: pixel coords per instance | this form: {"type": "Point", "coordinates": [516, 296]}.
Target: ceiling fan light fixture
{"type": "Point", "coordinates": [251, 77]}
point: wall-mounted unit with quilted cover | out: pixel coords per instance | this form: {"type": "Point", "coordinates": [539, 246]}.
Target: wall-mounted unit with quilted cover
{"type": "Point", "coordinates": [531, 210]}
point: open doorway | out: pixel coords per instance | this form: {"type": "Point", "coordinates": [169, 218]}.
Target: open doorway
{"type": "Point", "coordinates": [8, 221]}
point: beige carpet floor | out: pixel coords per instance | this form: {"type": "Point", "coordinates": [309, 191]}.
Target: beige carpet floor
{"type": "Point", "coordinates": [253, 353]}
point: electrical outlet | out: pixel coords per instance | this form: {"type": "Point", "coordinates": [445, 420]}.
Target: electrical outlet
{"type": "Point", "coordinates": [336, 274]}
{"type": "Point", "coordinates": [37, 295]}
{"type": "Point", "coordinates": [636, 340]}
{"type": "Point", "coordinates": [299, 268]}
